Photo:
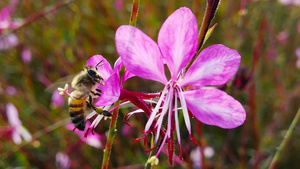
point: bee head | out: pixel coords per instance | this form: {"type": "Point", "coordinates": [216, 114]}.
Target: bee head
{"type": "Point", "coordinates": [93, 74]}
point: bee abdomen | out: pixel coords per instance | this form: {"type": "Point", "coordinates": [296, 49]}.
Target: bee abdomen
{"type": "Point", "coordinates": [77, 113]}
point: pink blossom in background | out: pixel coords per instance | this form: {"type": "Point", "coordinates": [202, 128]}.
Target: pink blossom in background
{"type": "Point", "coordinates": [290, 2]}
{"type": "Point", "coordinates": [283, 36]}
{"type": "Point", "coordinates": [10, 90]}
{"type": "Point", "coordinates": [298, 57]}
{"type": "Point", "coordinates": [196, 156]}
{"type": "Point", "coordinates": [177, 44]}
{"type": "Point", "coordinates": [26, 55]}
{"type": "Point", "coordinates": [57, 100]}
{"type": "Point", "coordinates": [62, 161]}
{"type": "Point", "coordinates": [8, 41]}
{"type": "Point", "coordinates": [119, 4]}
{"type": "Point", "coordinates": [18, 130]}
{"type": "Point", "coordinates": [92, 139]}
{"type": "Point", "coordinates": [5, 20]}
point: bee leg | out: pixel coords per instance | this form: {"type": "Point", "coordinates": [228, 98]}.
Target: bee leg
{"type": "Point", "coordinates": [90, 103]}
{"type": "Point", "coordinates": [96, 93]}
{"type": "Point", "coordinates": [98, 109]}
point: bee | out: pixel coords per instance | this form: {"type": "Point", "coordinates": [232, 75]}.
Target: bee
{"type": "Point", "coordinates": [85, 88]}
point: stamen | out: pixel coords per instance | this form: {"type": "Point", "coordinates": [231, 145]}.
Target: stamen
{"type": "Point", "coordinates": [153, 114]}
{"type": "Point", "coordinates": [184, 110]}
{"type": "Point", "coordinates": [122, 104]}
{"type": "Point", "coordinates": [93, 113]}
{"type": "Point", "coordinates": [177, 121]}
{"type": "Point", "coordinates": [163, 113]}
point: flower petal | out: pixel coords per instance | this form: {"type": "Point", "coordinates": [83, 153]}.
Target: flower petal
{"type": "Point", "coordinates": [140, 54]}
{"type": "Point", "coordinates": [105, 69]}
{"type": "Point", "coordinates": [215, 65]}
{"type": "Point", "coordinates": [117, 68]}
{"type": "Point", "coordinates": [12, 115]}
{"type": "Point", "coordinates": [215, 107]}
{"type": "Point", "coordinates": [178, 39]}
{"type": "Point", "coordinates": [110, 91]}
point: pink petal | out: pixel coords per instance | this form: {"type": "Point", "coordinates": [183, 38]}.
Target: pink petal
{"type": "Point", "coordinates": [178, 39]}
{"type": "Point", "coordinates": [16, 137]}
{"type": "Point", "coordinates": [215, 107]}
{"type": "Point", "coordinates": [110, 91]}
{"type": "Point", "coordinates": [12, 115]}
{"type": "Point", "coordinates": [105, 69]}
{"type": "Point", "coordinates": [215, 65]}
{"type": "Point", "coordinates": [117, 68]}
{"type": "Point", "coordinates": [140, 54]}
{"type": "Point", "coordinates": [4, 14]}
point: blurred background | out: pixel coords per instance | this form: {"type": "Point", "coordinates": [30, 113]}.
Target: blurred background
{"type": "Point", "coordinates": [34, 131]}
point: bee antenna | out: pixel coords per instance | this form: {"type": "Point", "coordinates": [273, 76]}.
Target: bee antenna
{"type": "Point", "coordinates": [99, 64]}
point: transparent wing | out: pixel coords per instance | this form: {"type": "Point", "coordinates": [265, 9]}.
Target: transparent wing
{"type": "Point", "coordinates": [60, 83]}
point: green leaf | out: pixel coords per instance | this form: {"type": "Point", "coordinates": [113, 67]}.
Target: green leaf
{"type": "Point", "coordinates": [209, 32]}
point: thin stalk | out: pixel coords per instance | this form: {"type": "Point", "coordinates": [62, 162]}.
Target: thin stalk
{"type": "Point", "coordinates": [111, 136]}
{"type": "Point", "coordinates": [39, 15]}
{"type": "Point", "coordinates": [134, 12]}
{"type": "Point", "coordinates": [284, 142]}
{"type": "Point", "coordinates": [211, 7]}
{"type": "Point", "coordinates": [113, 123]}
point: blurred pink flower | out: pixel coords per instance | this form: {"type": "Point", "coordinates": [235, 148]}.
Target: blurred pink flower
{"type": "Point", "coordinates": [298, 57]}
{"type": "Point", "coordinates": [283, 36]}
{"type": "Point", "coordinates": [5, 20]}
{"type": "Point", "coordinates": [10, 90]}
{"type": "Point", "coordinates": [91, 138]}
{"type": "Point", "coordinates": [119, 4]}
{"type": "Point", "coordinates": [62, 161]}
{"type": "Point", "coordinates": [290, 2]}
{"type": "Point", "coordinates": [57, 100]}
{"type": "Point", "coordinates": [177, 44]}
{"type": "Point", "coordinates": [8, 41]}
{"type": "Point", "coordinates": [18, 130]}
{"type": "Point", "coordinates": [26, 55]}
{"type": "Point", "coordinates": [196, 156]}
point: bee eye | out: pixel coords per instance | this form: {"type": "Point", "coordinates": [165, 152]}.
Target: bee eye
{"type": "Point", "coordinates": [92, 73]}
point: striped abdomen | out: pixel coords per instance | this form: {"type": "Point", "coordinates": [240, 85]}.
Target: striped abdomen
{"type": "Point", "coordinates": [77, 112]}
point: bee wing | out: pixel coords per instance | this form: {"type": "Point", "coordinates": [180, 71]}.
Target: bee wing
{"type": "Point", "coordinates": [60, 83]}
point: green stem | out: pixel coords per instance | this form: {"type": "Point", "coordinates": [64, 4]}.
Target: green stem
{"type": "Point", "coordinates": [38, 15]}
{"type": "Point", "coordinates": [111, 136]}
{"type": "Point", "coordinates": [284, 142]}
{"type": "Point", "coordinates": [113, 123]}
{"type": "Point", "coordinates": [211, 7]}
{"type": "Point", "coordinates": [134, 12]}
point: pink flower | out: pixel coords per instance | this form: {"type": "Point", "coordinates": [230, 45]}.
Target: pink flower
{"type": "Point", "coordinates": [26, 55]}
{"type": "Point", "coordinates": [177, 44]}
{"type": "Point", "coordinates": [297, 52]}
{"type": "Point", "coordinates": [91, 138]}
{"type": "Point", "coordinates": [8, 41]}
{"type": "Point", "coordinates": [112, 89]}
{"type": "Point", "coordinates": [57, 100]}
{"type": "Point", "coordinates": [5, 20]}
{"type": "Point", "coordinates": [18, 130]}
{"type": "Point", "coordinates": [62, 161]}
{"type": "Point", "coordinates": [290, 2]}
